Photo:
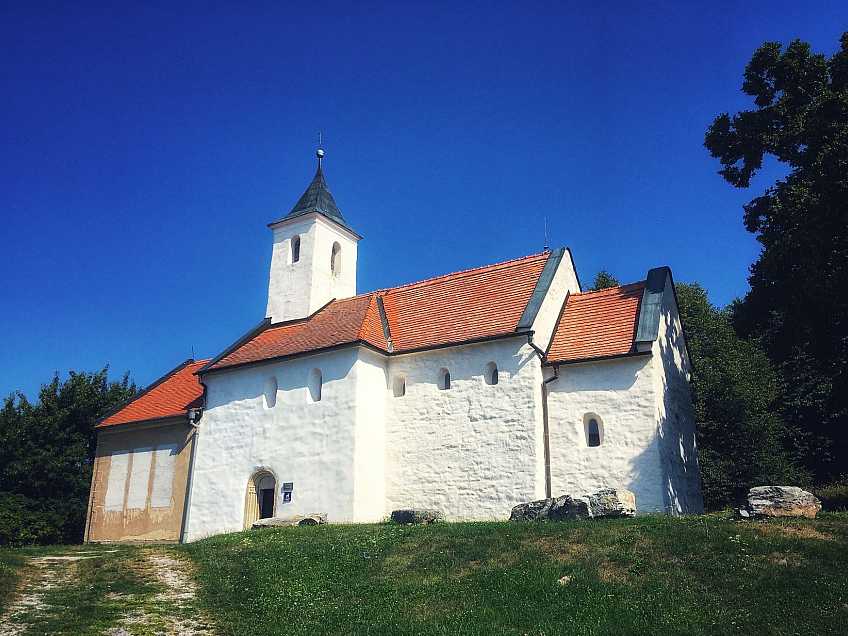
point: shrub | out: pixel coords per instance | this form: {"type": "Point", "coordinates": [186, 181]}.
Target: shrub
{"type": "Point", "coordinates": [833, 496]}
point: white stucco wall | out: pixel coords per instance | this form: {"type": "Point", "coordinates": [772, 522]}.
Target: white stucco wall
{"type": "Point", "coordinates": [369, 501]}
{"type": "Point", "coordinates": [472, 451]}
{"type": "Point", "coordinates": [295, 290]}
{"type": "Point", "coordinates": [621, 393]}
{"type": "Point", "coordinates": [311, 444]}
{"type": "Point", "coordinates": [675, 417]}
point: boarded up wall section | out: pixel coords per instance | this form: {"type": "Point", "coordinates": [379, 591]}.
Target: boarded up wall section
{"type": "Point", "coordinates": [139, 483]}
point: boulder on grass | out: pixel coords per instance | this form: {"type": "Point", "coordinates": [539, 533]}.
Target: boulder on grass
{"type": "Point", "coordinates": [311, 519]}
{"type": "Point", "coordinates": [609, 502]}
{"type": "Point", "coordinates": [568, 508]}
{"type": "Point", "coordinates": [779, 501]}
{"type": "Point", "coordinates": [532, 510]}
{"type": "Point", "coordinates": [416, 516]}
{"type": "Point", "coordinates": [612, 503]}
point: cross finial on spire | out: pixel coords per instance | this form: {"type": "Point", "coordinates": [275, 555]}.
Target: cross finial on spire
{"type": "Point", "coordinates": [320, 152]}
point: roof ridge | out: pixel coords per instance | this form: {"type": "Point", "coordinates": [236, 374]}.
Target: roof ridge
{"type": "Point", "coordinates": [461, 273]}
{"type": "Point", "coordinates": [360, 334]}
{"type": "Point", "coordinates": [607, 290]}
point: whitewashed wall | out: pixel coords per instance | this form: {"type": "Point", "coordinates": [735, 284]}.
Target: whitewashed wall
{"type": "Point", "coordinates": [472, 451]}
{"type": "Point", "coordinates": [296, 290]}
{"type": "Point", "coordinates": [676, 429]}
{"type": "Point", "coordinates": [310, 444]}
{"type": "Point", "coordinates": [622, 394]}
{"type": "Point", "coordinates": [369, 502]}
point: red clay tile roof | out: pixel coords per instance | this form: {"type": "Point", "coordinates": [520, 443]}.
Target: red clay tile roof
{"type": "Point", "coordinates": [171, 395]}
{"type": "Point", "coordinates": [340, 322]}
{"type": "Point", "coordinates": [598, 324]}
{"type": "Point", "coordinates": [477, 303]}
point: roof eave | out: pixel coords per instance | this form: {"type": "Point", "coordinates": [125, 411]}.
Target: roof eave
{"type": "Point", "coordinates": [368, 345]}
{"type": "Point", "coordinates": [315, 214]}
{"type": "Point", "coordinates": [143, 391]}
{"type": "Point", "coordinates": [616, 356]}
{"type": "Point", "coordinates": [150, 420]}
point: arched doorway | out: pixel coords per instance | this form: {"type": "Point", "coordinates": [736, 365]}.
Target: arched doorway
{"type": "Point", "coordinates": [261, 499]}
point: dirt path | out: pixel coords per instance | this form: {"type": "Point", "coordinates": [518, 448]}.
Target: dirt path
{"type": "Point", "coordinates": [47, 573]}
{"type": "Point", "coordinates": [174, 605]}
{"type": "Point", "coordinates": [162, 603]}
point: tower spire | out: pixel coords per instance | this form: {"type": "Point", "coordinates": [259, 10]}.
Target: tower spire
{"type": "Point", "coordinates": [320, 153]}
{"type": "Point", "coordinates": [317, 198]}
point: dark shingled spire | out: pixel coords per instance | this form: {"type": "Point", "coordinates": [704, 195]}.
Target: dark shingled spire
{"type": "Point", "coordinates": [317, 198]}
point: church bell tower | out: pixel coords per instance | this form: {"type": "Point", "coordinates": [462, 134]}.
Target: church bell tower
{"type": "Point", "coordinates": [314, 256]}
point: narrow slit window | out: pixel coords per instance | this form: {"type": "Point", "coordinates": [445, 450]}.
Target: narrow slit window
{"type": "Point", "coordinates": [399, 386]}
{"type": "Point", "coordinates": [295, 249]}
{"type": "Point", "coordinates": [336, 259]}
{"type": "Point", "coordinates": [316, 380]}
{"type": "Point", "coordinates": [491, 373]}
{"type": "Point", "coordinates": [594, 430]}
{"type": "Point", "coordinates": [270, 393]}
{"type": "Point", "coordinates": [444, 379]}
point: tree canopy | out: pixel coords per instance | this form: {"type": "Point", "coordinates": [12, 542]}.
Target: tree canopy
{"type": "Point", "coordinates": [603, 280]}
{"type": "Point", "coordinates": [46, 456]}
{"type": "Point", "coordinates": [797, 308]}
{"type": "Point", "coordinates": [742, 440]}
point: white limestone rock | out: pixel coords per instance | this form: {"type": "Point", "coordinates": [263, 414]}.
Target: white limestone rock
{"type": "Point", "coordinates": [606, 503]}
{"type": "Point", "coordinates": [779, 501]}
{"type": "Point", "coordinates": [312, 519]}
{"type": "Point", "coordinates": [612, 503]}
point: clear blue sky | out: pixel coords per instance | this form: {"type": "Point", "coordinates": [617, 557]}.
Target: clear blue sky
{"type": "Point", "coordinates": [145, 146]}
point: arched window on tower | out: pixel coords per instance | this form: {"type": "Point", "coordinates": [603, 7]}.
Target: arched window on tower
{"type": "Point", "coordinates": [295, 249]}
{"type": "Point", "coordinates": [336, 259]}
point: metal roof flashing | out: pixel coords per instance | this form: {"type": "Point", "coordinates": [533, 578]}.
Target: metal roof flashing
{"type": "Point", "coordinates": [651, 309]}
{"type": "Point", "coordinates": [541, 289]}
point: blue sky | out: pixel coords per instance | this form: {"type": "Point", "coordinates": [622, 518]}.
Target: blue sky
{"type": "Point", "coordinates": [145, 146]}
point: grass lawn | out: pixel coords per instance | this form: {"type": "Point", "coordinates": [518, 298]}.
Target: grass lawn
{"type": "Point", "coordinates": [651, 575]}
{"type": "Point", "coordinates": [11, 567]}
{"type": "Point", "coordinates": [87, 590]}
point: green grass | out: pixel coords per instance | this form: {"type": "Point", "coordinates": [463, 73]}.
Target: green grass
{"type": "Point", "coordinates": [89, 596]}
{"type": "Point", "coordinates": [11, 569]}
{"type": "Point", "coordinates": [833, 496]}
{"type": "Point", "coordinates": [651, 575]}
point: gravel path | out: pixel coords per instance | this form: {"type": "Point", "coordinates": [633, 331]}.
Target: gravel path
{"type": "Point", "coordinates": [48, 572]}
{"type": "Point", "coordinates": [170, 611]}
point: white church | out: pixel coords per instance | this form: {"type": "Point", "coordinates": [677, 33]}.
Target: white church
{"type": "Point", "coordinates": [467, 393]}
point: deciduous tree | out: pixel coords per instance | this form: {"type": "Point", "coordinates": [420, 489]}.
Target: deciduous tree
{"type": "Point", "coordinates": [603, 280]}
{"type": "Point", "coordinates": [742, 440]}
{"type": "Point", "coordinates": [46, 454]}
{"type": "Point", "coordinates": [797, 307]}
